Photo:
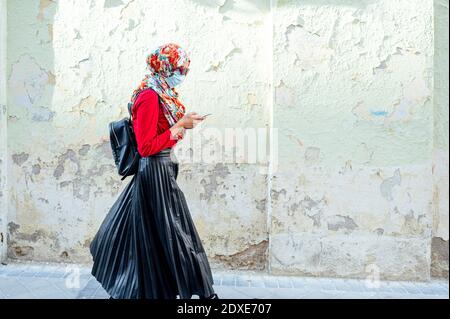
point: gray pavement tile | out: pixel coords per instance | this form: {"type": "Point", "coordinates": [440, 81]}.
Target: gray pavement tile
{"type": "Point", "coordinates": [23, 295]}
{"type": "Point", "coordinates": [384, 287]}
{"type": "Point", "coordinates": [92, 283]}
{"type": "Point", "coordinates": [57, 274]}
{"type": "Point", "coordinates": [69, 287]}
{"type": "Point", "coordinates": [101, 294]}
{"type": "Point", "coordinates": [99, 297]}
{"type": "Point", "coordinates": [291, 293]}
{"type": "Point", "coordinates": [443, 284]}
{"type": "Point", "coordinates": [14, 273]}
{"type": "Point", "coordinates": [243, 281]}
{"type": "Point", "coordinates": [343, 285]}
{"type": "Point", "coordinates": [253, 293]}
{"type": "Point", "coordinates": [307, 283]}
{"type": "Point", "coordinates": [270, 282]}
{"type": "Point", "coordinates": [34, 282]}
{"type": "Point", "coordinates": [14, 290]}
{"type": "Point", "coordinates": [31, 271]}
{"type": "Point", "coordinates": [86, 276]}
{"type": "Point", "coordinates": [329, 285]}
{"type": "Point", "coordinates": [430, 290]}
{"type": "Point", "coordinates": [298, 283]}
{"type": "Point", "coordinates": [357, 285]}
{"type": "Point", "coordinates": [352, 295]}
{"type": "Point", "coordinates": [228, 292]}
{"type": "Point", "coordinates": [396, 287]}
{"type": "Point", "coordinates": [442, 291]}
{"type": "Point", "coordinates": [86, 293]}
{"type": "Point", "coordinates": [228, 280]}
{"type": "Point", "coordinates": [43, 274]}
{"type": "Point", "coordinates": [256, 282]}
{"type": "Point", "coordinates": [52, 295]}
{"type": "Point", "coordinates": [284, 282]}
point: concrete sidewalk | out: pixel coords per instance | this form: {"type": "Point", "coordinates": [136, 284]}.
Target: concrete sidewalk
{"type": "Point", "coordinates": [68, 281]}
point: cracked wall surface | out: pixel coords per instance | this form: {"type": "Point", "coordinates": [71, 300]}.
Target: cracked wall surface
{"type": "Point", "coordinates": [72, 69]}
{"type": "Point", "coordinates": [353, 103]}
{"type": "Point", "coordinates": [361, 175]}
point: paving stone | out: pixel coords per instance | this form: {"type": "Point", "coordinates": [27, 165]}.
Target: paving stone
{"type": "Point", "coordinates": [412, 288]}
{"type": "Point", "coordinates": [250, 293]}
{"type": "Point", "coordinates": [228, 292]}
{"type": "Point", "coordinates": [270, 282]}
{"type": "Point", "coordinates": [257, 283]}
{"type": "Point", "coordinates": [229, 280]}
{"type": "Point", "coordinates": [284, 282]}
{"type": "Point", "coordinates": [443, 284]}
{"type": "Point", "coordinates": [34, 283]}
{"type": "Point", "coordinates": [217, 279]}
{"type": "Point", "coordinates": [243, 281]}
{"type": "Point", "coordinates": [13, 288]}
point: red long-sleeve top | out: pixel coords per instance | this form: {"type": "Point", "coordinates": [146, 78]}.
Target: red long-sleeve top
{"type": "Point", "coordinates": [150, 125]}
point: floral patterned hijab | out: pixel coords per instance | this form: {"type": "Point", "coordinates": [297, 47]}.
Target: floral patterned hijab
{"type": "Point", "coordinates": [165, 63]}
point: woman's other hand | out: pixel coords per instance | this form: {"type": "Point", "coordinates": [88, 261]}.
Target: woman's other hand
{"type": "Point", "coordinates": [188, 121]}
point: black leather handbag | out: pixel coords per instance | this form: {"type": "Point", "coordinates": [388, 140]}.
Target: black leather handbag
{"type": "Point", "coordinates": [124, 146]}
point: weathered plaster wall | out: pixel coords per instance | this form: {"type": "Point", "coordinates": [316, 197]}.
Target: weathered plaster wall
{"type": "Point", "coordinates": [439, 247]}
{"type": "Point", "coordinates": [3, 155]}
{"type": "Point", "coordinates": [72, 68]}
{"type": "Point", "coordinates": [348, 84]}
{"type": "Point", "coordinates": [353, 103]}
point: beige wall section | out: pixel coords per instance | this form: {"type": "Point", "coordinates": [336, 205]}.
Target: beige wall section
{"type": "Point", "coordinates": [353, 104]}
{"type": "Point", "coordinates": [3, 139]}
{"type": "Point", "coordinates": [439, 248]}
{"type": "Point", "coordinates": [72, 69]}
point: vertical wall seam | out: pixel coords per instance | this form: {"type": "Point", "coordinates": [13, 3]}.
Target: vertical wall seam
{"type": "Point", "coordinates": [430, 239]}
{"type": "Point", "coordinates": [3, 128]}
{"type": "Point", "coordinates": [271, 141]}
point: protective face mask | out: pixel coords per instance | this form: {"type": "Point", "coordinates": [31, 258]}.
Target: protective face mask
{"type": "Point", "coordinates": [175, 79]}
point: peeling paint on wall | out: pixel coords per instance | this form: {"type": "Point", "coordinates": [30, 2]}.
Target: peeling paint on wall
{"type": "Point", "coordinates": [360, 181]}
{"type": "Point", "coordinates": [353, 104]}
{"type": "Point", "coordinates": [439, 258]}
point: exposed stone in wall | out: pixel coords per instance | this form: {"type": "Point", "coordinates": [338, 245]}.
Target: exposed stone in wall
{"type": "Point", "coordinates": [227, 204]}
{"type": "Point", "coordinates": [439, 257]}
{"type": "Point", "coordinates": [253, 257]}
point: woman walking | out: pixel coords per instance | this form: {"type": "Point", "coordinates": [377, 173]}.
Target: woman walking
{"type": "Point", "coordinates": [148, 247]}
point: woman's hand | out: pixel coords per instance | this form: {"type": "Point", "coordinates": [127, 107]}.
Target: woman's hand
{"type": "Point", "coordinates": [190, 120]}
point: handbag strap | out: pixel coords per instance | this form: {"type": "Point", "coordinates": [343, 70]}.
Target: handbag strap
{"type": "Point", "coordinates": [130, 114]}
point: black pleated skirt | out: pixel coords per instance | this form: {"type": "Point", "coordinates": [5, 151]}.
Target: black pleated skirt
{"type": "Point", "coordinates": [148, 247]}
